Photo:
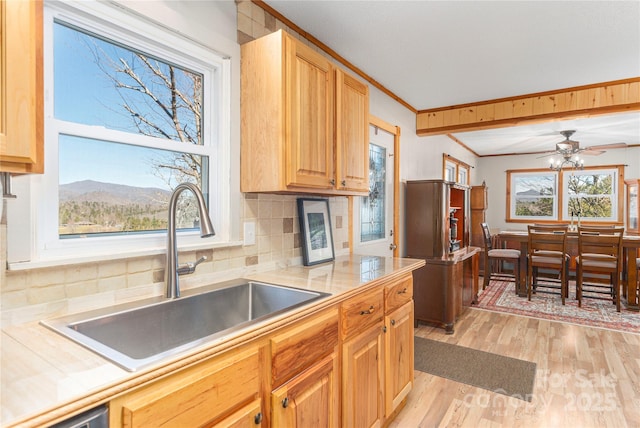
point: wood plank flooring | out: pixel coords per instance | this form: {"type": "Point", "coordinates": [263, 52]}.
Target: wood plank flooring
{"type": "Point", "coordinates": [586, 377]}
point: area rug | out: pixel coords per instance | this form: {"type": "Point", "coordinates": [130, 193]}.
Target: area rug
{"type": "Point", "coordinates": [493, 372]}
{"type": "Point", "coordinates": [500, 296]}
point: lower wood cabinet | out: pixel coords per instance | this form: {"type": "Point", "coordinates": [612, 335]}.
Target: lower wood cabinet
{"type": "Point", "coordinates": [202, 395]}
{"type": "Point", "coordinates": [310, 399]}
{"type": "Point", "coordinates": [377, 353]}
{"type": "Point", "coordinates": [398, 346]}
{"type": "Point", "coordinates": [305, 373]}
{"type": "Point", "coordinates": [363, 381]}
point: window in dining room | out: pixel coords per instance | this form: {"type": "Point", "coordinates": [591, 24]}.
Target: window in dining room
{"type": "Point", "coordinates": [591, 195]}
{"type": "Point", "coordinates": [533, 195]}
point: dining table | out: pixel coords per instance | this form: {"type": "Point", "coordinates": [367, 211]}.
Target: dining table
{"type": "Point", "coordinates": [630, 244]}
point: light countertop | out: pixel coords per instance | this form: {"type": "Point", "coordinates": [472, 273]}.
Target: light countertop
{"type": "Point", "coordinates": [45, 376]}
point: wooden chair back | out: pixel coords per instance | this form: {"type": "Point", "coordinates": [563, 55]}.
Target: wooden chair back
{"type": "Point", "coordinates": [547, 238]}
{"type": "Point", "coordinates": [597, 243]}
{"type": "Point", "coordinates": [486, 234]}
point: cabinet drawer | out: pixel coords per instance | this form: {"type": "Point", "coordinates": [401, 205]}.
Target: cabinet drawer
{"type": "Point", "coordinates": [362, 311]}
{"type": "Point", "coordinates": [398, 293]}
{"type": "Point", "coordinates": [299, 347]}
{"type": "Point", "coordinates": [193, 397]}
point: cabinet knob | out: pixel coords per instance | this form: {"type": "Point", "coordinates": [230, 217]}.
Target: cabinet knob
{"type": "Point", "coordinates": [393, 322]}
{"type": "Point", "coordinates": [343, 182]}
{"type": "Point", "coordinates": [403, 291]}
{"type": "Point", "coordinates": [285, 402]}
{"type": "Point", "coordinates": [258, 418]}
{"type": "Point", "coordinates": [333, 182]}
{"type": "Point", "coordinates": [368, 311]}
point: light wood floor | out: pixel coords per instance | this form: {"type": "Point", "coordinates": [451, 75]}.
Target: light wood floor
{"type": "Point", "coordinates": [586, 377]}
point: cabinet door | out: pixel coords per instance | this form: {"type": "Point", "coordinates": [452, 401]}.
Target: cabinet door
{"type": "Point", "coordinates": [362, 371]}
{"type": "Point", "coordinates": [196, 396]}
{"type": "Point", "coordinates": [352, 133]}
{"type": "Point", "coordinates": [398, 371]}
{"type": "Point", "coordinates": [310, 399]}
{"type": "Point", "coordinates": [21, 87]}
{"type": "Point", "coordinates": [309, 91]}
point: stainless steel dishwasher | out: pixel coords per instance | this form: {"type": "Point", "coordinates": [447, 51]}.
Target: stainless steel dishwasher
{"type": "Point", "coordinates": [94, 418]}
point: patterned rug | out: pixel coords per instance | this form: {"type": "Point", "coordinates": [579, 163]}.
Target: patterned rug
{"type": "Point", "coordinates": [500, 296]}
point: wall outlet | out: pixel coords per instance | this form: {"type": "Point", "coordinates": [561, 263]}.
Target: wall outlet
{"type": "Point", "coordinates": [249, 233]}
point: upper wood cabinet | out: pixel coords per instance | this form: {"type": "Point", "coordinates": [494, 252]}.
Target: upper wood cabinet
{"type": "Point", "coordinates": [21, 87]}
{"type": "Point", "coordinates": [352, 133]}
{"type": "Point", "coordinates": [304, 123]}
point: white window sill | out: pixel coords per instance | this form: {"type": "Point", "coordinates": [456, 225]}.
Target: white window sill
{"type": "Point", "coordinates": [65, 261]}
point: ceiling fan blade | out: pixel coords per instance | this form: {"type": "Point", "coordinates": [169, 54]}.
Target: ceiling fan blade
{"type": "Point", "coordinates": [591, 152]}
{"type": "Point", "coordinates": [607, 146]}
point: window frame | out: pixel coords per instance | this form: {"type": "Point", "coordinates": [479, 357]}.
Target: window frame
{"type": "Point", "coordinates": [561, 214]}
{"type": "Point", "coordinates": [40, 193]}
{"type": "Point", "coordinates": [457, 168]}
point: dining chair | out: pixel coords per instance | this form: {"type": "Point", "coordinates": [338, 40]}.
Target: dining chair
{"type": "Point", "coordinates": [495, 257]}
{"type": "Point", "coordinates": [547, 260]}
{"type": "Point", "coordinates": [600, 257]}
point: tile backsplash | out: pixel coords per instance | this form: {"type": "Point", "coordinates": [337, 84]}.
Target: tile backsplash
{"type": "Point", "coordinates": [277, 243]}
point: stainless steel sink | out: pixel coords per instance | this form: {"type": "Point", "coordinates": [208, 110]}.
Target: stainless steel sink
{"type": "Point", "coordinates": [135, 337]}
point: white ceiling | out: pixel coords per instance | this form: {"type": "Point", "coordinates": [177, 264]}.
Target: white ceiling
{"type": "Point", "coordinates": [441, 53]}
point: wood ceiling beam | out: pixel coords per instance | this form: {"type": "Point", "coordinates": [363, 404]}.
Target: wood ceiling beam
{"type": "Point", "coordinates": [580, 101]}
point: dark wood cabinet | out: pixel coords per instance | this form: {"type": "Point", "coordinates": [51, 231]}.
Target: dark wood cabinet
{"type": "Point", "coordinates": [437, 230]}
{"type": "Point", "coordinates": [479, 205]}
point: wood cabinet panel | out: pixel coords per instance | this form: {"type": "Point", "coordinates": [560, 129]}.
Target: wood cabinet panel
{"type": "Point", "coordinates": [310, 399]}
{"type": "Point", "coordinates": [352, 133]}
{"type": "Point", "coordinates": [21, 87]}
{"type": "Point", "coordinates": [398, 356]}
{"type": "Point", "coordinates": [362, 365]}
{"type": "Point", "coordinates": [299, 347]}
{"type": "Point", "coordinates": [362, 311]}
{"type": "Point", "coordinates": [195, 396]}
{"type": "Point", "coordinates": [309, 111]}
{"type": "Point", "coordinates": [398, 293]}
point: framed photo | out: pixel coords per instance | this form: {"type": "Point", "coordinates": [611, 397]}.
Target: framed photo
{"type": "Point", "coordinates": [315, 225]}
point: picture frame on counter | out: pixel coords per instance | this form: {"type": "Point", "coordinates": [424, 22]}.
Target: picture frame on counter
{"type": "Point", "coordinates": [315, 228]}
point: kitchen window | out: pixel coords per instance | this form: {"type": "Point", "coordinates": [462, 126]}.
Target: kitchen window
{"type": "Point", "coordinates": [131, 111]}
{"type": "Point", "coordinates": [591, 194]}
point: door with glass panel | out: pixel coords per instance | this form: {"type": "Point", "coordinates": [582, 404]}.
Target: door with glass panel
{"type": "Point", "coordinates": [373, 214]}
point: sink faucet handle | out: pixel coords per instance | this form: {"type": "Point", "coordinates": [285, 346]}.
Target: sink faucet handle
{"type": "Point", "coordinates": [190, 267]}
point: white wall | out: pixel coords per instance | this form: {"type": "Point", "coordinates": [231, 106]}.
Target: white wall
{"type": "Point", "coordinates": [493, 171]}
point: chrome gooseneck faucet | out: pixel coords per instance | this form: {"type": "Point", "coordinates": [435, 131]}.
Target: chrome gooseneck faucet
{"type": "Point", "coordinates": [206, 229]}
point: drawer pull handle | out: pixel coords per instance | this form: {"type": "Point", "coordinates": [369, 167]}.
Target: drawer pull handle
{"type": "Point", "coordinates": [285, 402]}
{"type": "Point", "coordinates": [258, 419]}
{"type": "Point", "coordinates": [369, 311]}
{"type": "Point", "coordinates": [403, 291]}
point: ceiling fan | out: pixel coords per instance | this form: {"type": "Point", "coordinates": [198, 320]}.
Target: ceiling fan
{"type": "Point", "coordinates": [569, 147]}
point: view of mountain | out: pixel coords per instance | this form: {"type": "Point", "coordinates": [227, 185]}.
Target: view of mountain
{"type": "Point", "coordinates": [115, 194]}
{"type": "Point", "coordinates": [88, 207]}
